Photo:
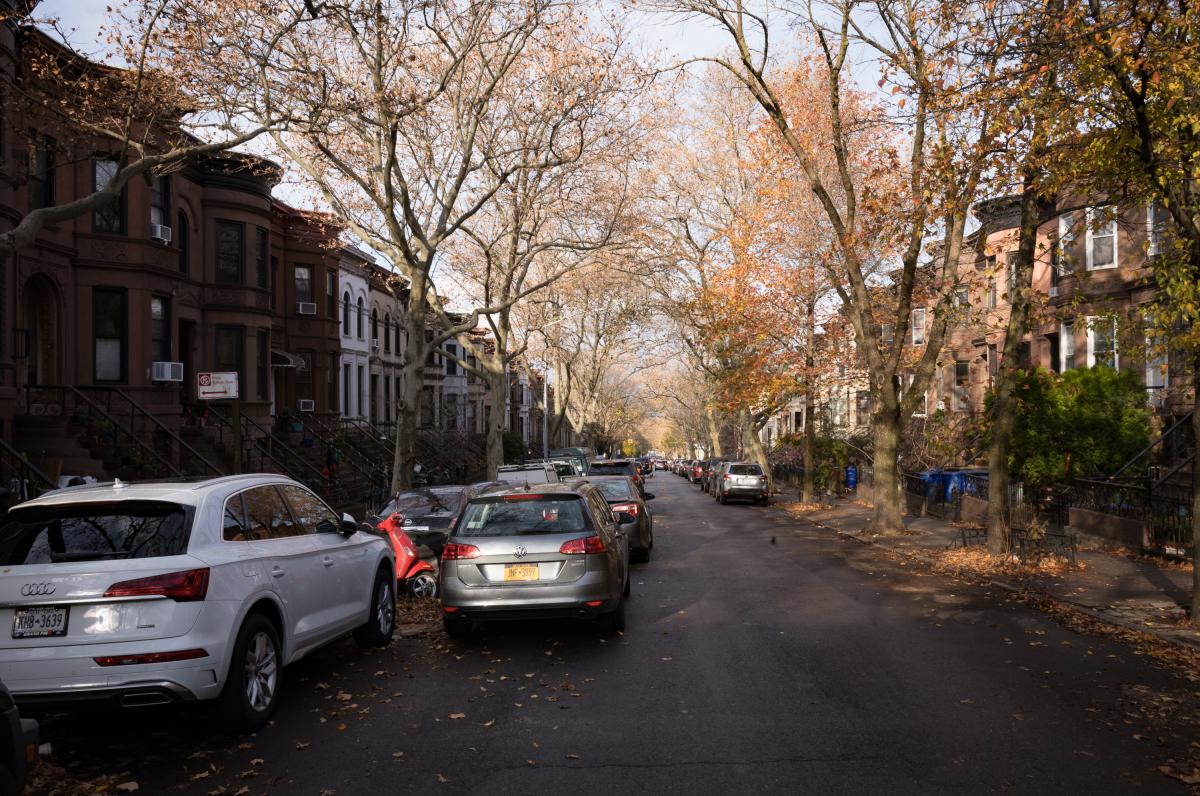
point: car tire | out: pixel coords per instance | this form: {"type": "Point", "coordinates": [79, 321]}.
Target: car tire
{"type": "Point", "coordinates": [381, 616]}
{"type": "Point", "coordinates": [423, 586]}
{"type": "Point", "coordinates": [628, 585]}
{"type": "Point", "coordinates": [251, 690]}
{"type": "Point", "coordinates": [721, 498]}
{"type": "Point", "coordinates": [614, 620]}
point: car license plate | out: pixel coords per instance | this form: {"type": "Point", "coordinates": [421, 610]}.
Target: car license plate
{"type": "Point", "coordinates": [520, 572]}
{"type": "Point", "coordinates": [39, 622]}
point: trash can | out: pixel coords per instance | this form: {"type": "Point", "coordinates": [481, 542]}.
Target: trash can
{"type": "Point", "coordinates": [851, 478]}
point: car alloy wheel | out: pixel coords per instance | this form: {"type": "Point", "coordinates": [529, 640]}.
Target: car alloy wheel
{"type": "Point", "coordinates": [385, 608]}
{"type": "Point", "coordinates": [423, 586]}
{"type": "Point", "coordinates": [262, 671]}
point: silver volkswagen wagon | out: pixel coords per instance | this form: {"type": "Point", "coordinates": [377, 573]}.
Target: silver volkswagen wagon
{"type": "Point", "coordinates": [550, 551]}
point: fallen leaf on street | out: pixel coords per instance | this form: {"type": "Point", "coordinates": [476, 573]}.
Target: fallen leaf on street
{"type": "Point", "coordinates": [302, 745]}
{"type": "Point", "coordinates": [458, 715]}
{"type": "Point", "coordinates": [128, 787]}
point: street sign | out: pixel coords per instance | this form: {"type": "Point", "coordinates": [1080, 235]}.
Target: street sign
{"type": "Point", "coordinates": [216, 386]}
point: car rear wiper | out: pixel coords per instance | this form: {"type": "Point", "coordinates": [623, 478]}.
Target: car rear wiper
{"type": "Point", "coordinates": [90, 555]}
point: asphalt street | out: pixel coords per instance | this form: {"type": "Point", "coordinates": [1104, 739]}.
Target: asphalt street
{"type": "Point", "coordinates": [762, 655]}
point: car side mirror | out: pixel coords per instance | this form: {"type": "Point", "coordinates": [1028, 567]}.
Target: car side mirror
{"type": "Point", "coordinates": [349, 526]}
{"type": "Point", "coordinates": [648, 496]}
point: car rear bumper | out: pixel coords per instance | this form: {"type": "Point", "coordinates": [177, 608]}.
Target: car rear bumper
{"type": "Point", "coordinates": [567, 599]}
{"type": "Point", "coordinates": [744, 491]}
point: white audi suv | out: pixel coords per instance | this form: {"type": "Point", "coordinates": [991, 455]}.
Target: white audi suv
{"type": "Point", "coordinates": [156, 592]}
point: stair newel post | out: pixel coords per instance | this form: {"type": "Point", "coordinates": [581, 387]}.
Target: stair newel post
{"type": "Point", "coordinates": [236, 414]}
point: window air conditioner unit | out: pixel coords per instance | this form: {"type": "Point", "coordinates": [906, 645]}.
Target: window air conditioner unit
{"type": "Point", "coordinates": [166, 371]}
{"type": "Point", "coordinates": [375, 346]}
{"type": "Point", "coordinates": [1053, 291]}
{"type": "Point", "coordinates": [306, 405]}
{"type": "Point", "coordinates": [307, 308]}
{"type": "Point", "coordinates": [160, 233]}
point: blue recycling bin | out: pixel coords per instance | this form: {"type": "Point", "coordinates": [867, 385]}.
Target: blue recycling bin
{"type": "Point", "coordinates": [851, 477]}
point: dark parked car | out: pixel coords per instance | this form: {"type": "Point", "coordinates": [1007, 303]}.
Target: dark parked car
{"type": "Point", "coordinates": [18, 745]}
{"type": "Point", "coordinates": [710, 466]}
{"type": "Point", "coordinates": [428, 513]}
{"type": "Point", "coordinates": [630, 511]}
{"type": "Point", "coordinates": [619, 467]}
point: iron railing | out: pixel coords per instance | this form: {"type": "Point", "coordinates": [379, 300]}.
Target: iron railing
{"type": "Point", "coordinates": [123, 408]}
{"type": "Point", "coordinates": [120, 447]}
{"type": "Point", "coordinates": [25, 480]}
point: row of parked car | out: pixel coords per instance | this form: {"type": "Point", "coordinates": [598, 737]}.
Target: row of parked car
{"type": "Point", "coordinates": [184, 591]}
{"type": "Point", "coordinates": [726, 479]}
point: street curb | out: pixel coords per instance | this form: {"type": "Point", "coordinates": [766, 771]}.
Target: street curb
{"type": "Point", "coordinates": [1013, 588]}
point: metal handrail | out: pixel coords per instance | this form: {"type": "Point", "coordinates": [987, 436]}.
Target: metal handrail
{"type": "Point", "coordinates": [175, 438]}
{"type": "Point", "coordinates": [361, 465]}
{"type": "Point", "coordinates": [371, 432]}
{"type": "Point", "coordinates": [29, 468]}
{"type": "Point", "coordinates": [1186, 418]}
{"type": "Point", "coordinates": [246, 442]}
{"type": "Point", "coordinates": [67, 389]}
{"type": "Point", "coordinates": [276, 441]}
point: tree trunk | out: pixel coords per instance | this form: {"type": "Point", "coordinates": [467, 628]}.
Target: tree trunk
{"type": "Point", "coordinates": [885, 433]}
{"type": "Point", "coordinates": [714, 432]}
{"type": "Point", "coordinates": [808, 453]}
{"type": "Point", "coordinates": [496, 386]}
{"type": "Point", "coordinates": [1196, 493]}
{"type": "Point", "coordinates": [754, 445]}
{"type": "Point", "coordinates": [999, 531]}
{"type": "Point", "coordinates": [408, 411]}
{"type": "Point", "coordinates": [412, 380]}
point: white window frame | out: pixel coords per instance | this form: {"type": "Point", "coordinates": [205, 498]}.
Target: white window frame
{"type": "Point", "coordinates": [1091, 235]}
{"type": "Point", "coordinates": [960, 402]}
{"type": "Point", "coordinates": [918, 328]}
{"type": "Point", "coordinates": [1158, 367]}
{"type": "Point", "coordinates": [923, 409]}
{"type": "Point", "coordinates": [1154, 230]}
{"type": "Point", "coordinates": [1092, 320]}
{"type": "Point", "coordinates": [1066, 345]}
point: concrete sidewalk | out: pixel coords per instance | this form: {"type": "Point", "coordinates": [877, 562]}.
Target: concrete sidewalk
{"type": "Point", "coordinates": [1112, 586]}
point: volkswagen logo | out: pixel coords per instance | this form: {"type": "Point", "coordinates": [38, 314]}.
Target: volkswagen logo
{"type": "Point", "coordinates": [520, 552]}
{"type": "Point", "coordinates": [37, 589]}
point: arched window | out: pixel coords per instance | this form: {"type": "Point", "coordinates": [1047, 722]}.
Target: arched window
{"type": "Point", "coordinates": [374, 324]}
{"type": "Point", "coordinates": [387, 332]}
{"type": "Point", "coordinates": [361, 314]}
{"type": "Point", "coordinates": [181, 240]}
{"type": "Point", "coordinates": [346, 313]}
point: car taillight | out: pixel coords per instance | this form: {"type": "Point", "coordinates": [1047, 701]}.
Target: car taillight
{"type": "Point", "coordinates": [728, 477]}
{"type": "Point", "coordinates": [583, 546]}
{"type": "Point", "coordinates": [184, 587]}
{"type": "Point", "coordinates": [454, 551]}
{"type": "Point", "coordinates": [625, 508]}
{"type": "Point", "coordinates": [150, 657]}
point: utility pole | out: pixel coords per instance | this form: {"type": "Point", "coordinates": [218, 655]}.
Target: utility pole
{"type": "Point", "coordinates": [545, 415]}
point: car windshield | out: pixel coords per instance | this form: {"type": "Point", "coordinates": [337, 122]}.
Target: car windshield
{"type": "Point", "coordinates": [615, 488]}
{"type": "Point", "coordinates": [425, 502]}
{"type": "Point", "coordinates": [92, 532]}
{"type": "Point", "coordinates": [523, 515]}
{"type": "Point", "coordinates": [745, 469]}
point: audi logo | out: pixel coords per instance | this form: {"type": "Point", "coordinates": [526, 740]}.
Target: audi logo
{"type": "Point", "coordinates": [520, 552]}
{"type": "Point", "coordinates": [37, 589]}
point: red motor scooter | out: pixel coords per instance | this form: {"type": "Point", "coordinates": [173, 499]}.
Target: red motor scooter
{"type": "Point", "coordinates": [414, 575]}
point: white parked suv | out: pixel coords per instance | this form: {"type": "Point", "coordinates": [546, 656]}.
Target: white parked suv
{"type": "Point", "coordinates": [157, 592]}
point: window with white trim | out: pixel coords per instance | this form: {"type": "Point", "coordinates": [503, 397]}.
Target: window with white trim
{"type": "Point", "coordinates": [1101, 240]}
{"type": "Point", "coordinates": [1102, 341]}
{"type": "Point", "coordinates": [1156, 225]}
{"type": "Point", "coordinates": [918, 326]}
{"type": "Point", "coordinates": [961, 396]}
{"type": "Point", "coordinates": [1060, 255]}
{"type": "Point", "coordinates": [1066, 346]}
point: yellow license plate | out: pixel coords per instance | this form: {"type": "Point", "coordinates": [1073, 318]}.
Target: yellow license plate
{"type": "Point", "coordinates": [521, 572]}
